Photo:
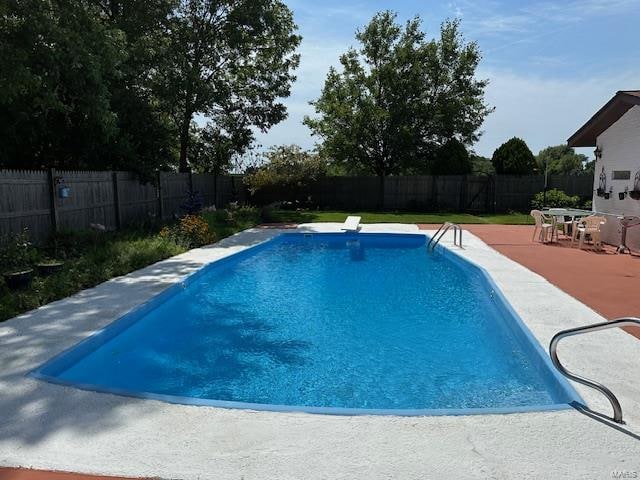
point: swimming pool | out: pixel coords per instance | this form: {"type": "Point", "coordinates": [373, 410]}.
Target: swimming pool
{"type": "Point", "coordinates": [328, 323]}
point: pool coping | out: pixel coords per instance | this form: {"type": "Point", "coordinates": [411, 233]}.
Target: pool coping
{"type": "Point", "coordinates": [523, 335]}
{"type": "Point", "coordinates": [54, 427]}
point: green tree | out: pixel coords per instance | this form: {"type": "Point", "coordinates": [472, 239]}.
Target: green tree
{"type": "Point", "coordinates": [229, 60]}
{"type": "Point", "coordinates": [214, 148]}
{"type": "Point", "coordinates": [146, 138]}
{"type": "Point", "coordinates": [452, 159]}
{"type": "Point", "coordinates": [514, 158]}
{"type": "Point", "coordinates": [482, 165]}
{"type": "Point", "coordinates": [561, 159]}
{"type": "Point", "coordinates": [399, 97]}
{"type": "Point", "coordinates": [287, 166]}
{"type": "Point", "coordinates": [56, 61]}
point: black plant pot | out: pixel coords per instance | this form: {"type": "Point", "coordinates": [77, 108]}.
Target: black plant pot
{"type": "Point", "coordinates": [49, 268]}
{"type": "Point", "coordinates": [621, 195]}
{"type": "Point", "coordinates": [21, 279]}
{"type": "Point", "coordinates": [600, 192]}
{"type": "Point", "coordinates": [606, 195]}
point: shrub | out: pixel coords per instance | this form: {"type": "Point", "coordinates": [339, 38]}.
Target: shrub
{"type": "Point", "coordinates": [514, 157]}
{"type": "Point", "coordinates": [452, 158]}
{"type": "Point", "coordinates": [287, 167]}
{"type": "Point", "coordinates": [193, 203]}
{"type": "Point", "coordinates": [17, 251]}
{"type": "Point", "coordinates": [555, 199]}
{"type": "Point", "coordinates": [191, 231]}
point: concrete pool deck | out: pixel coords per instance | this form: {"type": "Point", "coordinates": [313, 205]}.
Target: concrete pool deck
{"type": "Point", "coordinates": [53, 427]}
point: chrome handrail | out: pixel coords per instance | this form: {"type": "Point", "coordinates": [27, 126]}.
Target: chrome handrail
{"type": "Point", "coordinates": [553, 352]}
{"type": "Point", "coordinates": [441, 231]}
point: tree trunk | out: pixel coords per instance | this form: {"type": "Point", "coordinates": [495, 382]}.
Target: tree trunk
{"type": "Point", "coordinates": [184, 142]}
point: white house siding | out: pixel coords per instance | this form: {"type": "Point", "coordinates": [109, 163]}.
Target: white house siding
{"type": "Point", "coordinates": [620, 145]}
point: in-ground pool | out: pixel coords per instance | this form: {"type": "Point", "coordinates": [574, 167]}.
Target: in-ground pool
{"type": "Point", "coordinates": [333, 323]}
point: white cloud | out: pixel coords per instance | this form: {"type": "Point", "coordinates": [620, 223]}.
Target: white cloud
{"type": "Point", "coordinates": [543, 111]}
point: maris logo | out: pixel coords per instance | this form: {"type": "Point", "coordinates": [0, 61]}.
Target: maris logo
{"type": "Point", "coordinates": [625, 474]}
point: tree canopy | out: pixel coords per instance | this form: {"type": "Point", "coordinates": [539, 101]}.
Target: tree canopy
{"type": "Point", "coordinates": [399, 98]}
{"type": "Point", "coordinates": [561, 159]}
{"type": "Point", "coordinates": [286, 166]}
{"type": "Point", "coordinates": [514, 158]}
{"type": "Point", "coordinates": [230, 61]}
{"type": "Point", "coordinates": [452, 159]}
{"type": "Point", "coordinates": [95, 84]}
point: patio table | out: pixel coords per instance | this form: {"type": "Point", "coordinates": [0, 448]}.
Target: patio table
{"type": "Point", "coordinates": [567, 212]}
{"type": "Point", "coordinates": [573, 213]}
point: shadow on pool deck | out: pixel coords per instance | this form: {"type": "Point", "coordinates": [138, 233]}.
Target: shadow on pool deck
{"type": "Point", "coordinates": [605, 281]}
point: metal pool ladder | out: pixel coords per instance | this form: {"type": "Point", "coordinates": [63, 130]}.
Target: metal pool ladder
{"type": "Point", "coordinates": [444, 228]}
{"type": "Point", "coordinates": [553, 347]}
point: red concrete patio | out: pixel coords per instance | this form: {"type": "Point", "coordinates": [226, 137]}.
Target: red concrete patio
{"type": "Point", "coordinates": [605, 281]}
{"type": "Point", "coordinates": [29, 474]}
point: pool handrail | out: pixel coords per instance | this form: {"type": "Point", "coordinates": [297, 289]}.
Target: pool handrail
{"type": "Point", "coordinates": [595, 327]}
{"type": "Point", "coordinates": [444, 228]}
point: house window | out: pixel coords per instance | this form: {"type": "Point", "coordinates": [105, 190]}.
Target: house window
{"type": "Point", "coordinates": [621, 175]}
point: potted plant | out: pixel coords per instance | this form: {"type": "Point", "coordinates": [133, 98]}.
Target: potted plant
{"type": "Point", "coordinates": [49, 267]}
{"type": "Point", "coordinates": [17, 253]}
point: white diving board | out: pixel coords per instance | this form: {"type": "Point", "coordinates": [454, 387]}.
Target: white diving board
{"type": "Point", "coordinates": [351, 224]}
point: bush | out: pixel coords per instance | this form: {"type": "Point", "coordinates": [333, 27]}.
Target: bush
{"type": "Point", "coordinates": [287, 167]}
{"type": "Point", "coordinates": [452, 158]}
{"type": "Point", "coordinates": [191, 231]}
{"type": "Point", "coordinates": [514, 158]}
{"type": "Point", "coordinates": [17, 252]}
{"type": "Point", "coordinates": [555, 199]}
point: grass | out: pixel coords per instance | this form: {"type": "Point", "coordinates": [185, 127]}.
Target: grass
{"type": "Point", "coordinates": [306, 216]}
{"type": "Point", "coordinates": [91, 258]}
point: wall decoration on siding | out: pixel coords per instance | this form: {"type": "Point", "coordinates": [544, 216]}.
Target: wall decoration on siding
{"type": "Point", "coordinates": [635, 193]}
{"type": "Point", "coordinates": [602, 184]}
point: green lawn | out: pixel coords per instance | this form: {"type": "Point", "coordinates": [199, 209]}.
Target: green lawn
{"type": "Point", "coordinates": [306, 216]}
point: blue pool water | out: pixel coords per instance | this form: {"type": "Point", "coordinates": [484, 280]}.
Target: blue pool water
{"type": "Point", "coordinates": [325, 322]}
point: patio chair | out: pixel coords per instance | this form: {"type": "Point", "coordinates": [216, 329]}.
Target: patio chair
{"type": "Point", "coordinates": [544, 224]}
{"type": "Point", "coordinates": [588, 227]}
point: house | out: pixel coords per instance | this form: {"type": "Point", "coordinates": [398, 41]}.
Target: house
{"type": "Point", "coordinates": [614, 131]}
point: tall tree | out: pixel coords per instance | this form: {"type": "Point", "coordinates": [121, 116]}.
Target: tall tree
{"type": "Point", "coordinates": [561, 159]}
{"type": "Point", "coordinates": [229, 60]}
{"type": "Point", "coordinates": [514, 158]}
{"type": "Point", "coordinates": [56, 62]}
{"type": "Point", "coordinates": [146, 136]}
{"type": "Point", "coordinates": [452, 159]}
{"type": "Point", "coordinates": [399, 98]}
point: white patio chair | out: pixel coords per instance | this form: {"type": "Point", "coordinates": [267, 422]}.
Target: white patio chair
{"type": "Point", "coordinates": [544, 224]}
{"type": "Point", "coordinates": [588, 227]}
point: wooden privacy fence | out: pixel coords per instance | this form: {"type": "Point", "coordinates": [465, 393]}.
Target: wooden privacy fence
{"type": "Point", "coordinates": [461, 193]}
{"type": "Point", "coordinates": [33, 199]}
{"type": "Point", "coordinates": [36, 199]}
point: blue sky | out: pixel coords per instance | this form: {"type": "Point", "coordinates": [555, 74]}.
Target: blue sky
{"type": "Point", "coordinates": [551, 64]}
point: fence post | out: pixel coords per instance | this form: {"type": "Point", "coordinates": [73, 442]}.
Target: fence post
{"type": "Point", "coordinates": [159, 190]}
{"type": "Point", "coordinates": [116, 200]}
{"type": "Point", "coordinates": [55, 221]}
